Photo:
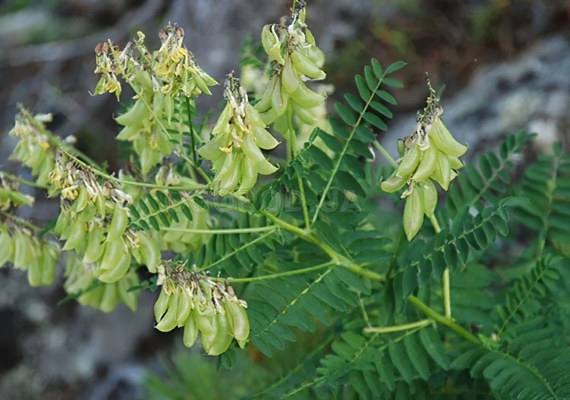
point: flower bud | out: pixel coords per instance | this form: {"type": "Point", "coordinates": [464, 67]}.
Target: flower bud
{"type": "Point", "coordinates": [413, 214]}
{"type": "Point", "coordinates": [443, 140]}
{"type": "Point", "coordinates": [271, 43]}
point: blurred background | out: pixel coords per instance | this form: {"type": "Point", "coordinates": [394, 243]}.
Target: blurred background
{"type": "Point", "coordinates": [505, 64]}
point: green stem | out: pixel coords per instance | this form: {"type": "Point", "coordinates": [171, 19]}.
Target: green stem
{"type": "Point", "coordinates": [21, 221]}
{"type": "Point", "coordinates": [394, 261]}
{"type": "Point", "coordinates": [222, 231]}
{"type": "Point", "coordinates": [363, 310]}
{"type": "Point", "coordinates": [196, 186]}
{"type": "Point", "coordinates": [343, 151]}
{"type": "Point", "coordinates": [61, 144]}
{"type": "Point", "coordinates": [23, 181]}
{"type": "Point", "coordinates": [446, 293]}
{"type": "Point", "coordinates": [304, 202]}
{"type": "Point", "coordinates": [230, 255]}
{"type": "Point", "coordinates": [280, 274]}
{"type": "Point", "coordinates": [397, 328]}
{"type": "Point", "coordinates": [195, 167]}
{"type": "Point", "coordinates": [291, 137]}
{"type": "Point", "coordinates": [288, 227]}
{"type": "Point", "coordinates": [435, 224]}
{"type": "Point", "coordinates": [445, 279]}
{"type": "Point", "coordinates": [384, 153]}
{"type": "Point", "coordinates": [430, 313]}
{"type": "Point", "coordinates": [163, 210]}
{"type": "Point", "coordinates": [192, 142]}
{"type": "Point", "coordinates": [226, 206]}
{"type": "Point", "coordinates": [291, 155]}
{"type": "Point", "coordinates": [335, 257]}
{"type": "Point", "coordinates": [357, 269]}
{"type": "Point", "coordinates": [192, 163]}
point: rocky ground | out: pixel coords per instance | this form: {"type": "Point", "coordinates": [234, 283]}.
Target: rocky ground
{"type": "Point", "coordinates": [71, 352]}
{"type": "Point", "coordinates": [530, 92]}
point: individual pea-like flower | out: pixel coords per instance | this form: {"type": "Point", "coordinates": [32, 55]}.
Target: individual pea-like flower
{"type": "Point", "coordinates": [109, 82]}
{"type": "Point", "coordinates": [202, 306]}
{"type": "Point", "coordinates": [429, 154]}
{"type": "Point", "coordinates": [296, 59]}
{"type": "Point", "coordinates": [235, 147]}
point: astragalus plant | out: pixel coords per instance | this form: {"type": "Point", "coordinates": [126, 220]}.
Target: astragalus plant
{"type": "Point", "coordinates": [254, 234]}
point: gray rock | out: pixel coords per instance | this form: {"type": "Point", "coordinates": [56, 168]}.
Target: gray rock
{"type": "Point", "coordinates": [530, 93]}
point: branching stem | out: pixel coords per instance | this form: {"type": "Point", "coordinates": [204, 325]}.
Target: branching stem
{"type": "Point", "coordinates": [430, 313]}
{"type": "Point", "coordinates": [241, 248]}
{"type": "Point", "coordinates": [336, 258]}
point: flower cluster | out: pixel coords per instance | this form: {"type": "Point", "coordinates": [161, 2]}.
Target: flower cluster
{"type": "Point", "coordinates": [295, 59]}
{"type": "Point", "coordinates": [18, 242]}
{"type": "Point", "coordinates": [235, 147]}
{"type": "Point", "coordinates": [25, 251]}
{"type": "Point", "coordinates": [34, 149]}
{"type": "Point", "coordinates": [158, 80]}
{"type": "Point", "coordinates": [429, 154]}
{"type": "Point", "coordinates": [200, 305]}
{"type": "Point", "coordinates": [94, 222]}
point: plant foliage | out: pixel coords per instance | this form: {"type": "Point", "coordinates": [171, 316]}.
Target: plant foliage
{"type": "Point", "coordinates": [264, 231]}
